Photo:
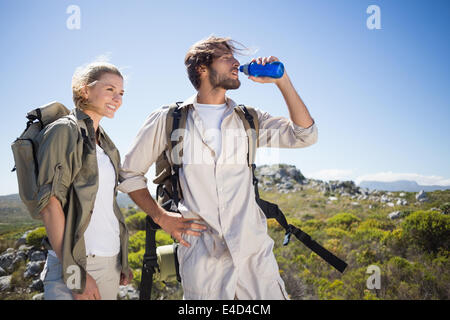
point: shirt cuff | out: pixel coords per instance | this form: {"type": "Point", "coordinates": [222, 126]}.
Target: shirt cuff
{"type": "Point", "coordinates": [132, 184]}
{"type": "Point", "coordinates": [303, 131]}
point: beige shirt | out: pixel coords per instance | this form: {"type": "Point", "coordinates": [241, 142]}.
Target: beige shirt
{"type": "Point", "coordinates": [234, 257]}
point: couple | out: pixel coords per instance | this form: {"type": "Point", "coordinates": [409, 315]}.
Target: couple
{"type": "Point", "coordinates": [225, 251]}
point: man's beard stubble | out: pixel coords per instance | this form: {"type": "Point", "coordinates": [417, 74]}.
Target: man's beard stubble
{"type": "Point", "coordinates": [218, 81]}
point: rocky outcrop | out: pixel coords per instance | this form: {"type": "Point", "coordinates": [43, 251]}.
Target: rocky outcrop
{"type": "Point", "coordinates": [282, 178]}
{"type": "Point", "coordinates": [422, 196]}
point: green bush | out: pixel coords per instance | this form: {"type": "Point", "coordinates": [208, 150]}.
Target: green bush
{"type": "Point", "coordinates": [136, 221]}
{"type": "Point", "coordinates": [135, 259]}
{"type": "Point", "coordinates": [429, 230]}
{"type": "Point", "coordinates": [365, 233]}
{"type": "Point", "coordinates": [344, 220]}
{"type": "Point", "coordinates": [34, 238]}
{"type": "Point", "coordinates": [337, 233]}
{"type": "Point", "coordinates": [163, 238]}
{"type": "Point", "coordinates": [137, 242]}
{"type": "Point", "coordinates": [445, 208]}
{"type": "Point", "coordinates": [396, 241]}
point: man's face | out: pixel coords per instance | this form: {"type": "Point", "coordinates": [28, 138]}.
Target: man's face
{"type": "Point", "coordinates": [224, 73]}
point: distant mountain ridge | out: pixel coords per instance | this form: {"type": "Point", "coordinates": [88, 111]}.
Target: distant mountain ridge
{"type": "Point", "coordinates": [13, 211]}
{"type": "Point", "coordinates": [400, 185]}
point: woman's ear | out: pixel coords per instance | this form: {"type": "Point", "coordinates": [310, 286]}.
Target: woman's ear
{"type": "Point", "coordinates": [85, 92]}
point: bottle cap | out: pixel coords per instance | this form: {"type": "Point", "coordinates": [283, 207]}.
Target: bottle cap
{"type": "Point", "coordinates": [244, 68]}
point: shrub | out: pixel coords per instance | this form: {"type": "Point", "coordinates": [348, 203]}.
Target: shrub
{"type": "Point", "coordinates": [337, 233]}
{"type": "Point", "coordinates": [365, 233]}
{"type": "Point", "coordinates": [136, 221]}
{"type": "Point", "coordinates": [396, 241]}
{"type": "Point", "coordinates": [428, 230]}
{"type": "Point", "coordinates": [163, 238]}
{"type": "Point", "coordinates": [135, 259]}
{"type": "Point", "coordinates": [313, 224]}
{"type": "Point", "coordinates": [137, 242]}
{"type": "Point", "coordinates": [35, 237]}
{"type": "Point", "coordinates": [445, 208]}
{"type": "Point", "coordinates": [343, 220]}
{"type": "Point", "coordinates": [375, 223]}
{"type": "Point", "coordinates": [272, 224]}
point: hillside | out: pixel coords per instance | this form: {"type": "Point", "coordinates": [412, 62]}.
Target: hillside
{"type": "Point", "coordinates": [14, 215]}
{"type": "Point", "coordinates": [400, 185]}
{"type": "Point", "coordinates": [405, 234]}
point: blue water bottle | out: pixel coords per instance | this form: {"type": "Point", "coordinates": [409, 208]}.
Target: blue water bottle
{"type": "Point", "coordinates": [273, 69]}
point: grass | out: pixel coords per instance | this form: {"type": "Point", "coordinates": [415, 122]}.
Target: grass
{"type": "Point", "coordinates": [362, 235]}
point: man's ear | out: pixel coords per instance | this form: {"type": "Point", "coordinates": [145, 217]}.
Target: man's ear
{"type": "Point", "coordinates": [201, 69]}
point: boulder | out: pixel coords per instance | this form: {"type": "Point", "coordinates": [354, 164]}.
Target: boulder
{"type": "Point", "coordinates": [5, 283]}
{"type": "Point", "coordinates": [33, 268]}
{"type": "Point", "coordinates": [38, 256]}
{"type": "Point", "coordinates": [39, 296]}
{"type": "Point", "coordinates": [23, 239]}
{"type": "Point", "coordinates": [422, 196]}
{"type": "Point", "coordinates": [395, 215]}
{"type": "Point", "coordinates": [6, 260]}
{"type": "Point", "coordinates": [128, 293]}
{"type": "Point", "coordinates": [37, 285]}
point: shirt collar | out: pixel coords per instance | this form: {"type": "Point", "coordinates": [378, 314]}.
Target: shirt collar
{"type": "Point", "coordinates": [80, 115]}
{"type": "Point", "coordinates": [190, 102]}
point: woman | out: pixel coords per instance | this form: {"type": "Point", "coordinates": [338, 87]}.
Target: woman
{"type": "Point", "coordinates": [78, 175]}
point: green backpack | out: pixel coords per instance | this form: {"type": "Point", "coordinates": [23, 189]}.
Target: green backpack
{"type": "Point", "coordinates": [24, 149]}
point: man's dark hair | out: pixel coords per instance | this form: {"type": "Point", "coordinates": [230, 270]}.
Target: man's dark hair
{"type": "Point", "coordinates": [204, 52]}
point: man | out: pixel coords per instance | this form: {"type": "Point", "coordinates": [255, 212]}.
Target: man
{"type": "Point", "coordinates": [226, 252]}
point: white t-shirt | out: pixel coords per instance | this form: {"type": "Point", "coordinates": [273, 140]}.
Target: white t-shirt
{"type": "Point", "coordinates": [212, 116]}
{"type": "Point", "coordinates": [102, 236]}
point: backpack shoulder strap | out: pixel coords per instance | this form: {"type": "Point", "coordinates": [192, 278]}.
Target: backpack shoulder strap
{"type": "Point", "coordinates": [48, 113]}
{"type": "Point", "coordinates": [249, 118]}
{"type": "Point", "coordinates": [176, 119]}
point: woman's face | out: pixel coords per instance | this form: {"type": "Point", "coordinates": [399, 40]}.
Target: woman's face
{"type": "Point", "coordinates": [105, 95]}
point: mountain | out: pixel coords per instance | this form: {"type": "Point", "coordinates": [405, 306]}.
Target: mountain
{"type": "Point", "coordinates": [123, 200]}
{"type": "Point", "coordinates": [400, 185]}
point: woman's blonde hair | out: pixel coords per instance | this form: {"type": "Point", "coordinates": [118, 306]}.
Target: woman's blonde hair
{"type": "Point", "coordinates": [87, 75]}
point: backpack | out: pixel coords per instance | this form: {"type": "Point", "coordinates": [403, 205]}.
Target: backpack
{"type": "Point", "coordinates": [24, 149]}
{"type": "Point", "coordinates": [163, 260]}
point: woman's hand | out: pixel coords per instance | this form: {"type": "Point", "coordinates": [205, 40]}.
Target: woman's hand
{"type": "Point", "coordinates": [91, 291]}
{"type": "Point", "coordinates": [126, 279]}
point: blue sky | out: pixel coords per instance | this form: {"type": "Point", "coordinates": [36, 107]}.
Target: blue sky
{"type": "Point", "coordinates": [380, 98]}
